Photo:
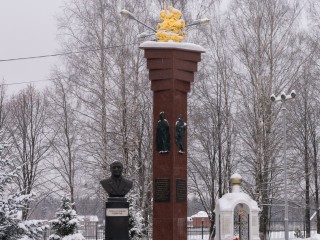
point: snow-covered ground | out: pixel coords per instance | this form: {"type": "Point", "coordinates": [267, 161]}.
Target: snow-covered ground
{"type": "Point", "coordinates": [280, 236]}
{"type": "Point", "coordinates": [273, 236]}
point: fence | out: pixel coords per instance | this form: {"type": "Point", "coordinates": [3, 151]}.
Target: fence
{"type": "Point", "coordinates": [95, 231]}
{"type": "Point", "coordinates": [90, 230]}
{"type": "Point", "coordinates": [197, 233]}
{"type": "Point", "coordinates": [297, 229]}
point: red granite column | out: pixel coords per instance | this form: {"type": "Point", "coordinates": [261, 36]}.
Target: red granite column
{"type": "Point", "coordinates": [171, 71]}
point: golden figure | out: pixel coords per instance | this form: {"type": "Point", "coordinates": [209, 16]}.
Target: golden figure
{"type": "Point", "coordinates": [172, 27]}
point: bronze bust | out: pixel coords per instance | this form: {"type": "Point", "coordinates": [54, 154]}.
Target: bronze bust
{"type": "Point", "coordinates": [116, 185]}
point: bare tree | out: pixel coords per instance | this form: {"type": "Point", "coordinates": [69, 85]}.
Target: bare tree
{"type": "Point", "coordinates": [29, 134]}
{"type": "Point", "coordinates": [3, 110]}
{"type": "Point", "coordinates": [65, 157]}
{"type": "Point", "coordinates": [302, 141]}
{"type": "Point", "coordinates": [313, 14]}
{"type": "Point", "coordinates": [211, 128]}
{"type": "Point", "coordinates": [265, 46]}
{"type": "Point", "coordinates": [111, 88]}
{"type": "Point", "coordinates": [305, 136]}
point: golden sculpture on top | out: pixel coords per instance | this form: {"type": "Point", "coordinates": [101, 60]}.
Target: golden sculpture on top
{"type": "Point", "coordinates": [172, 28]}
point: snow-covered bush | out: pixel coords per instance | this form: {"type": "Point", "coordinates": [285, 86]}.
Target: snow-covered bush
{"type": "Point", "coordinates": [136, 221]}
{"type": "Point", "coordinates": [33, 229]}
{"type": "Point", "coordinates": [11, 227]}
{"type": "Point", "coordinates": [66, 224]}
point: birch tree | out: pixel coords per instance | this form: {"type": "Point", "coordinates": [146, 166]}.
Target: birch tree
{"type": "Point", "coordinates": [211, 128]}
{"type": "Point", "coordinates": [65, 159]}
{"type": "Point", "coordinates": [265, 46]}
{"type": "Point", "coordinates": [313, 30]}
{"type": "Point", "coordinates": [302, 142]}
{"type": "Point", "coordinates": [112, 89]}
{"type": "Point", "coordinates": [29, 137]}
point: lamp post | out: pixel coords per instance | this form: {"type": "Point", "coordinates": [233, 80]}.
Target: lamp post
{"type": "Point", "coordinates": [198, 22]}
{"type": "Point", "coordinates": [130, 15]}
{"type": "Point", "coordinates": [283, 98]}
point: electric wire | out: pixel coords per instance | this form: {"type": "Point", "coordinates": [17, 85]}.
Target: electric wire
{"type": "Point", "coordinates": [18, 83]}
{"type": "Point", "coordinates": [67, 53]}
{"type": "Point", "coordinates": [56, 55]}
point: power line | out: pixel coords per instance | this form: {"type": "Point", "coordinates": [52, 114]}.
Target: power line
{"type": "Point", "coordinates": [17, 83]}
{"type": "Point", "coordinates": [54, 55]}
{"type": "Point", "coordinates": [67, 53]}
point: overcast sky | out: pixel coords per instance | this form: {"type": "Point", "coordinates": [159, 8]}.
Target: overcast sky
{"type": "Point", "coordinates": [27, 28]}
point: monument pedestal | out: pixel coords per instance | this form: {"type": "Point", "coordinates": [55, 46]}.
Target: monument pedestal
{"type": "Point", "coordinates": [171, 70]}
{"type": "Point", "coordinates": [117, 219]}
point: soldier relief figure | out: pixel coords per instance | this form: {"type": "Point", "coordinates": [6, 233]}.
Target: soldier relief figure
{"type": "Point", "coordinates": [163, 135]}
{"type": "Point", "coordinates": [116, 185]}
{"type": "Point", "coordinates": [179, 134]}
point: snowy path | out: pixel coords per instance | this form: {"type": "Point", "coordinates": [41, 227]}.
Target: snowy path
{"type": "Point", "coordinates": [280, 235]}
{"type": "Point", "coordinates": [273, 236]}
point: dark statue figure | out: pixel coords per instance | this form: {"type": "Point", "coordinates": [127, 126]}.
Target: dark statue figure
{"type": "Point", "coordinates": [116, 185]}
{"type": "Point", "coordinates": [163, 135]}
{"type": "Point", "coordinates": [179, 134]}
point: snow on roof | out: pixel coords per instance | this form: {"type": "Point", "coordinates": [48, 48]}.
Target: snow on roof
{"type": "Point", "coordinates": [200, 214]}
{"type": "Point", "coordinates": [236, 175]}
{"type": "Point", "coordinates": [230, 200]}
{"type": "Point", "coordinates": [174, 45]}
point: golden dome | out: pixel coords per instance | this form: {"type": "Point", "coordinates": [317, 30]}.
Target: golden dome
{"type": "Point", "coordinates": [235, 178]}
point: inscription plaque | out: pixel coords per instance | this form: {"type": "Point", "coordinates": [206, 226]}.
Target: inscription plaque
{"type": "Point", "coordinates": [117, 212]}
{"type": "Point", "coordinates": [162, 190]}
{"type": "Point", "coordinates": [181, 190]}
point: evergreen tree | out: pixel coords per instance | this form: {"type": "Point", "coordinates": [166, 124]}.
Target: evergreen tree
{"type": "Point", "coordinates": [11, 204]}
{"type": "Point", "coordinates": [66, 223]}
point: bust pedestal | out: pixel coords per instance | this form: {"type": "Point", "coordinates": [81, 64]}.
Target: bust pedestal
{"type": "Point", "coordinates": [117, 219]}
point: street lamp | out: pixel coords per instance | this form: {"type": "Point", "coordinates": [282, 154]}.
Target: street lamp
{"type": "Point", "coordinates": [198, 22]}
{"type": "Point", "coordinates": [283, 98]}
{"type": "Point", "coordinates": [130, 15]}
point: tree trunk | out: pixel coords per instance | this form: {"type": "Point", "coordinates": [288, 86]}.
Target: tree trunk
{"type": "Point", "coordinates": [306, 172]}
{"type": "Point", "coordinates": [316, 186]}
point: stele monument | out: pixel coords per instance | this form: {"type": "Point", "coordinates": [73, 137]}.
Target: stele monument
{"type": "Point", "coordinates": [172, 64]}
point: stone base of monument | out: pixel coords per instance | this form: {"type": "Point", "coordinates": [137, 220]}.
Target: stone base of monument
{"type": "Point", "coordinates": [117, 219]}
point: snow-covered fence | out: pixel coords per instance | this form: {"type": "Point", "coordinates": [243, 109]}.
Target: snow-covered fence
{"type": "Point", "coordinates": [296, 229]}
{"type": "Point", "coordinates": [95, 231]}
{"type": "Point", "coordinates": [90, 230]}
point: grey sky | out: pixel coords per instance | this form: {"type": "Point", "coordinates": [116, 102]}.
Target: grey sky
{"type": "Point", "coordinates": [27, 28]}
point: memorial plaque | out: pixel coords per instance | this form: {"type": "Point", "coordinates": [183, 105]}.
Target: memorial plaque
{"type": "Point", "coordinates": [117, 212]}
{"type": "Point", "coordinates": [162, 190]}
{"type": "Point", "coordinates": [181, 190]}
